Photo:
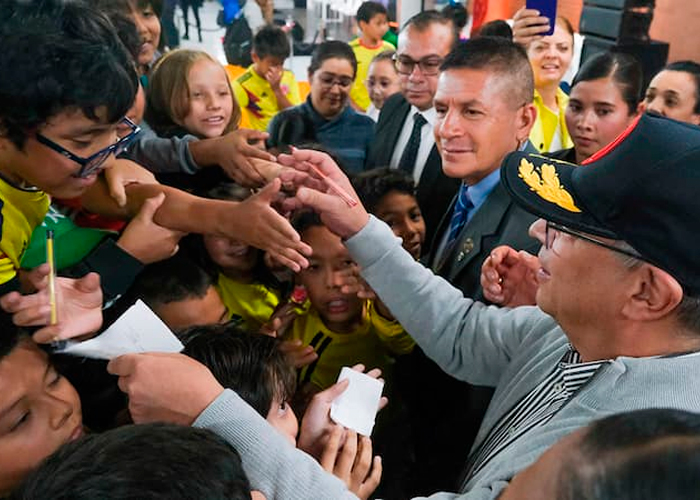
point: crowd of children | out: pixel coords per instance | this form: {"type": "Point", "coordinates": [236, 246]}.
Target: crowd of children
{"type": "Point", "coordinates": [138, 165]}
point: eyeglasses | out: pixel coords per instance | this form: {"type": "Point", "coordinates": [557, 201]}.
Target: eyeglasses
{"type": "Point", "coordinates": [429, 66]}
{"type": "Point", "coordinates": [92, 163]}
{"type": "Point", "coordinates": [552, 229]}
{"type": "Point", "coordinates": [327, 81]}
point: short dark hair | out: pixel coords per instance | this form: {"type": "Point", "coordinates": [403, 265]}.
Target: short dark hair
{"type": "Point", "coordinates": [61, 55]}
{"type": "Point", "coordinates": [171, 280]}
{"type": "Point", "coordinates": [368, 10]}
{"type": "Point", "coordinates": [304, 219]}
{"type": "Point", "coordinates": [10, 334]}
{"type": "Point", "coordinates": [271, 41]}
{"type": "Point", "coordinates": [373, 185]}
{"type": "Point", "coordinates": [124, 6]}
{"type": "Point", "coordinates": [497, 28]}
{"type": "Point", "coordinates": [424, 20]}
{"type": "Point", "coordinates": [693, 69]}
{"type": "Point", "coordinates": [503, 57]}
{"type": "Point", "coordinates": [624, 70]}
{"type": "Point", "coordinates": [149, 462]}
{"type": "Point", "coordinates": [332, 49]}
{"type": "Point", "coordinates": [249, 363]}
{"type": "Point", "coordinates": [640, 455]}
{"type": "Point", "coordinates": [457, 13]}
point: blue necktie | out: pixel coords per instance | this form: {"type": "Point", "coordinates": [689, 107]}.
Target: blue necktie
{"type": "Point", "coordinates": [460, 214]}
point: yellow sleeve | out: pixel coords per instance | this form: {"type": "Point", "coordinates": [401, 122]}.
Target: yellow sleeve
{"type": "Point", "coordinates": [7, 269]}
{"type": "Point", "coordinates": [293, 94]}
{"type": "Point", "coordinates": [391, 333]}
{"type": "Point", "coordinates": [240, 94]}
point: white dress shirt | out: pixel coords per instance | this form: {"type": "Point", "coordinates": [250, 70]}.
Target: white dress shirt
{"type": "Point", "coordinates": [427, 141]}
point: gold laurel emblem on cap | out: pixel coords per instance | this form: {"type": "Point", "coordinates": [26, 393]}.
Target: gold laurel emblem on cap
{"type": "Point", "coordinates": [548, 186]}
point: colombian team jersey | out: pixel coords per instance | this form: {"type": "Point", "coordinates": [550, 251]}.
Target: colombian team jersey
{"type": "Point", "coordinates": [364, 56]}
{"type": "Point", "coordinates": [251, 303]}
{"type": "Point", "coordinates": [372, 344]}
{"type": "Point", "coordinates": [21, 210]}
{"type": "Point", "coordinates": [255, 96]}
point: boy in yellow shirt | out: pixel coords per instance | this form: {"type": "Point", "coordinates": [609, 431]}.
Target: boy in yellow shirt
{"type": "Point", "coordinates": [266, 87]}
{"type": "Point", "coordinates": [373, 23]}
{"type": "Point", "coordinates": [342, 328]}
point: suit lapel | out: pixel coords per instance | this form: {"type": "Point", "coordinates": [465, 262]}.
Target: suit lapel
{"type": "Point", "coordinates": [484, 223]}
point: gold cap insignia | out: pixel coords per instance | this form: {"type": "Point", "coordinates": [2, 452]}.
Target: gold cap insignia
{"type": "Point", "coordinates": [548, 186]}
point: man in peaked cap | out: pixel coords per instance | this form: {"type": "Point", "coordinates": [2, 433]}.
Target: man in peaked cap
{"type": "Point", "coordinates": [617, 328]}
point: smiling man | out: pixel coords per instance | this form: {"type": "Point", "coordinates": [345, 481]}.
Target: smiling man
{"type": "Point", "coordinates": [484, 110]}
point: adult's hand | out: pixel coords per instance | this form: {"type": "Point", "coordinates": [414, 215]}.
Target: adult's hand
{"type": "Point", "coordinates": [509, 277]}
{"type": "Point", "coordinates": [165, 387]}
{"type": "Point", "coordinates": [78, 306]}
{"type": "Point", "coordinates": [321, 195]}
{"type": "Point", "coordinates": [232, 152]}
{"type": "Point", "coordinates": [529, 26]}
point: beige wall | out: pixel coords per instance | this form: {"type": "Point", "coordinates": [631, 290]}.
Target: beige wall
{"type": "Point", "coordinates": [675, 21]}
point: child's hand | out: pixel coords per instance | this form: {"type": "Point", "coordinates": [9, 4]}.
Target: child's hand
{"type": "Point", "coordinates": [259, 225]}
{"type": "Point", "coordinates": [352, 461]}
{"type": "Point", "coordinates": [509, 278]}
{"type": "Point", "coordinates": [145, 240]}
{"type": "Point", "coordinates": [297, 354]}
{"type": "Point", "coordinates": [316, 424]}
{"type": "Point", "coordinates": [353, 283]}
{"type": "Point", "coordinates": [121, 174]}
{"type": "Point", "coordinates": [274, 77]}
{"type": "Point", "coordinates": [78, 305]}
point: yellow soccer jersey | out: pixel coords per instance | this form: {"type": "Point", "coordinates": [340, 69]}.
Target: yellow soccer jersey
{"type": "Point", "coordinates": [253, 303]}
{"type": "Point", "coordinates": [256, 98]}
{"type": "Point", "coordinates": [364, 56]}
{"type": "Point", "coordinates": [372, 344]}
{"type": "Point", "coordinates": [21, 210]}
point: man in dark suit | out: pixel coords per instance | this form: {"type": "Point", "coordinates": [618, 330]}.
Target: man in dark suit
{"type": "Point", "coordinates": [404, 133]}
{"type": "Point", "coordinates": [484, 111]}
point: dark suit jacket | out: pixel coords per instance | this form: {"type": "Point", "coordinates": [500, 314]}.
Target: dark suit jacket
{"type": "Point", "coordinates": [447, 413]}
{"type": "Point", "coordinates": [435, 189]}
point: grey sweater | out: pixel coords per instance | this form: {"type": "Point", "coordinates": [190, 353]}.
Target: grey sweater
{"type": "Point", "coordinates": [511, 349]}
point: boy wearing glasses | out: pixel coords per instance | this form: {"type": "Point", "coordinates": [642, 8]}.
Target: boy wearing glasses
{"type": "Point", "coordinates": [58, 122]}
{"type": "Point", "coordinates": [60, 111]}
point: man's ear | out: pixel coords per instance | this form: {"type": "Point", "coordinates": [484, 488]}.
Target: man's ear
{"type": "Point", "coordinates": [655, 296]}
{"type": "Point", "coordinates": [525, 120]}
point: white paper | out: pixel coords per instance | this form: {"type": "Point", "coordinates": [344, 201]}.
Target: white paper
{"type": "Point", "coordinates": [137, 330]}
{"type": "Point", "coordinates": [357, 407]}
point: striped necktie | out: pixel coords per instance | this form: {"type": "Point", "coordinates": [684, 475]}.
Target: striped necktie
{"type": "Point", "coordinates": [460, 214]}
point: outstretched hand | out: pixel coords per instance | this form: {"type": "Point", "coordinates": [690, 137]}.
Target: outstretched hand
{"type": "Point", "coordinates": [350, 459]}
{"type": "Point", "coordinates": [318, 193]}
{"type": "Point", "coordinates": [316, 425]}
{"type": "Point", "coordinates": [509, 277]}
{"type": "Point", "coordinates": [78, 306]}
{"type": "Point", "coordinates": [263, 227]}
{"type": "Point", "coordinates": [165, 387]}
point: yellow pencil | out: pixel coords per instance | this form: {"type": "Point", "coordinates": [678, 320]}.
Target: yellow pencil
{"type": "Point", "coordinates": [51, 259]}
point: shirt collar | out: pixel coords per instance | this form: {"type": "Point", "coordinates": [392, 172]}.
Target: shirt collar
{"type": "Point", "coordinates": [429, 114]}
{"type": "Point", "coordinates": [482, 189]}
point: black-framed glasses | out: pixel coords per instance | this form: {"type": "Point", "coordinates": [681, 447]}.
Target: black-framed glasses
{"type": "Point", "coordinates": [552, 229]}
{"type": "Point", "coordinates": [93, 162]}
{"type": "Point", "coordinates": [429, 66]}
{"type": "Point", "coordinates": [327, 81]}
